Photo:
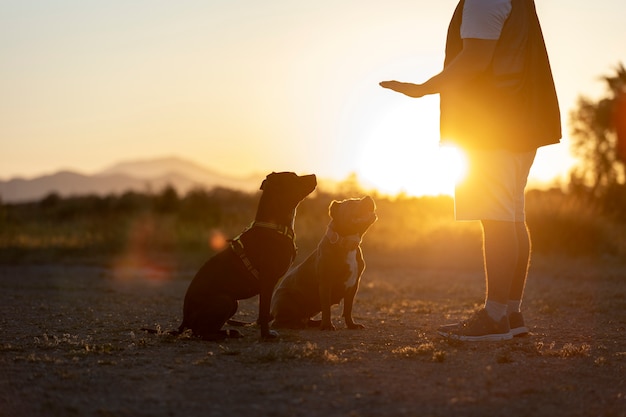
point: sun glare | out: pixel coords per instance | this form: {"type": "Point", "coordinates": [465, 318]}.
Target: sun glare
{"type": "Point", "coordinates": [402, 155]}
{"type": "Point", "coordinates": [453, 161]}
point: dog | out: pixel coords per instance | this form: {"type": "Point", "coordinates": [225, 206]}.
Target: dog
{"type": "Point", "coordinates": [331, 273]}
{"type": "Point", "coordinates": [252, 264]}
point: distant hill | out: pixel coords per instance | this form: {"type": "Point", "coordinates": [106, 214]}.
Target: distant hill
{"type": "Point", "coordinates": [141, 176]}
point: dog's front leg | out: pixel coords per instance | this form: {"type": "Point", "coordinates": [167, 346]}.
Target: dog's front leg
{"type": "Point", "coordinates": [265, 300]}
{"type": "Point", "coordinates": [348, 303]}
{"type": "Point", "coordinates": [348, 299]}
{"type": "Point", "coordinates": [325, 290]}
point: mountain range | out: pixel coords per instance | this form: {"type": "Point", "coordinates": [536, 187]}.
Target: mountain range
{"type": "Point", "coordinates": [140, 175]}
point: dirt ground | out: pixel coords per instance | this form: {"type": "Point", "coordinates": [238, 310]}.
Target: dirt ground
{"type": "Point", "coordinates": [71, 345]}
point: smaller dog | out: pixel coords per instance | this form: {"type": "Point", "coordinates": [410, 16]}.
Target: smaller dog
{"type": "Point", "coordinates": [330, 274]}
{"type": "Point", "coordinates": [251, 265]}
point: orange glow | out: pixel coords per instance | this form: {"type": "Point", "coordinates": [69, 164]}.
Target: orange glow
{"type": "Point", "coordinates": [217, 240]}
{"type": "Point", "coordinates": [136, 263]}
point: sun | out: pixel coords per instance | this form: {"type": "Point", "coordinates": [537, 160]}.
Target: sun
{"type": "Point", "coordinates": [401, 154]}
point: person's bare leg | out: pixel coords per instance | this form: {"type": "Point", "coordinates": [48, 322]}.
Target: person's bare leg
{"type": "Point", "coordinates": [518, 284]}
{"type": "Point", "coordinates": [523, 261]}
{"type": "Point", "coordinates": [500, 251]}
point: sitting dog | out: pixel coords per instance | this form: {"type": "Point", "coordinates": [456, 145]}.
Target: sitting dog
{"type": "Point", "coordinates": [252, 264]}
{"type": "Point", "coordinates": [331, 273]}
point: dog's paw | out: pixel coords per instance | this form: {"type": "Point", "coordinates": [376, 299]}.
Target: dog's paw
{"type": "Point", "coordinates": [327, 326]}
{"type": "Point", "coordinates": [239, 323]}
{"type": "Point", "coordinates": [234, 334]}
{"type": "Point", "coordinates": [269, 335]}
{"type": "Point", "coordinates": [355, 326]}
{"type": "Point", "coordinates": [291, 325]}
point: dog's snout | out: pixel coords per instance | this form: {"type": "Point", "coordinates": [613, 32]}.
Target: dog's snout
{"type": "Point", "coordinates": [310, 181]}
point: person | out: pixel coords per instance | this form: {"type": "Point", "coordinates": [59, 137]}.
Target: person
{"type": "Point", "coordinates": [498, 104]}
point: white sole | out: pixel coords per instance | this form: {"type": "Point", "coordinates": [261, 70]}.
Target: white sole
{"type": "Point", "coordinates": [484, 338]}
{"type": "Point", "coordinates": [519, 331]}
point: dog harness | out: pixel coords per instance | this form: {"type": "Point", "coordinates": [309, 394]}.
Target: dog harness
{"type": "Point", "coordinates": [237, 245]}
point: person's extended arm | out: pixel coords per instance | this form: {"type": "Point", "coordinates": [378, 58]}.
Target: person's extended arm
{"type": "Point", "coordinates": [470, 62]}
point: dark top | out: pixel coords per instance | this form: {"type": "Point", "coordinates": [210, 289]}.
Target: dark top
{"type": "Point", "coordinates": [513, 105]}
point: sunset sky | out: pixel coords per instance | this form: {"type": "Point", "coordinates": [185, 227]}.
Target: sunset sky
{"type": "Point", "coordinates": [247, 87]}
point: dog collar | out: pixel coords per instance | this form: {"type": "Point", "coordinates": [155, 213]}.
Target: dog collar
{"type": "Point", "coordinates": [282, 229]}
{"type": "Point", "coordinates": [350, 242]}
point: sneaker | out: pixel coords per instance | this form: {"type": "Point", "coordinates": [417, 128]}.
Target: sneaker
{"type": "Point", "coordinates": [479, 327]}
{"type": "Point", "coordinates": [516, 322]}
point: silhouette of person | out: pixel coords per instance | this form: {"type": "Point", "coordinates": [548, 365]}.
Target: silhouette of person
{"type": "Point", "coordinates": [498, 104]}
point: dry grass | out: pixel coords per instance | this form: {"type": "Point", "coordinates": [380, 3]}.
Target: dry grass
{"type": "Point", "coordinates": [561, 225]}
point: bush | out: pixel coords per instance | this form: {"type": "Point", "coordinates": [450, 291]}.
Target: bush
{"type": "Point", "coordinates": [166, 226]}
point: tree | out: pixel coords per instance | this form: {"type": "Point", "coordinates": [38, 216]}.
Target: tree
{"type": "Point", "coordinates": [596, 142]}
{"type": "Point", "coordinates": [167, 201]}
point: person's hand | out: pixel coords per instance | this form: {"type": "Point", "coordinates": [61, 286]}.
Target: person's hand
{"type": "Point", "coordinates": [408, 89]}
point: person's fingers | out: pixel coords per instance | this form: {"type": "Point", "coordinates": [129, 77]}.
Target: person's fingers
{"type": "Point", "coordinates": [388, 84]}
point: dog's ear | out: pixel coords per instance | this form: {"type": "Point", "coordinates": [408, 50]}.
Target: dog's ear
{"type": "Point", "coordinates": [332, 209]}
{"type": "Point", "coordinates": [370, 201]}
{"type": "Point", "coordinates": [266, 178]}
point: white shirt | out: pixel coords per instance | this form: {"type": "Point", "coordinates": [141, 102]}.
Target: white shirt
{"type": "Point", "coordinates": [484, 19]}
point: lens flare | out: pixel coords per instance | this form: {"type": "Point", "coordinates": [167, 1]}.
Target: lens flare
{"type": "Point", "coordinates": [217, 240]}
{"type": "Point", "coordinates": [138, 262]}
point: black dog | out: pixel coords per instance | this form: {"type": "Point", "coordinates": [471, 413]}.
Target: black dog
{"type": "Point", "coordinates": [331, 273]}
{"type": "Point", "coordinates": [251, 265]}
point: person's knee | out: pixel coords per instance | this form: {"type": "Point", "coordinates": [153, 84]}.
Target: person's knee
{"type": "Point", "coordinates": [498, 226]}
